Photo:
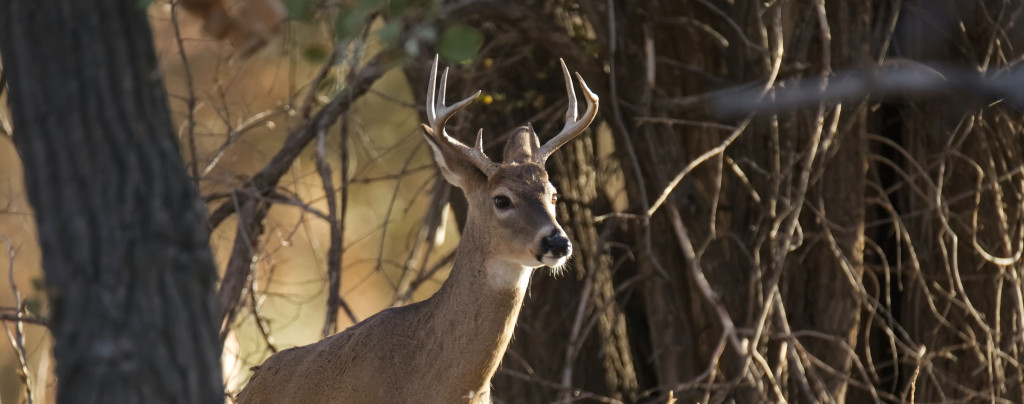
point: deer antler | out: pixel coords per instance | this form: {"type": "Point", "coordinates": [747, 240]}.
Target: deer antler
{"type": "Point", "coordinates": [437, 116]}
{"type": "Point", "coordinates": [572, 126]}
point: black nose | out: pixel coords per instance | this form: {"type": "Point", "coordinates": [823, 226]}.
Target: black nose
{"type": "Point", "coordinates": [557, 244]}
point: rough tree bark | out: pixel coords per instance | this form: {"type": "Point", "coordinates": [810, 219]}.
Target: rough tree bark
{"type": "Point", "coordinates": [129, 272]}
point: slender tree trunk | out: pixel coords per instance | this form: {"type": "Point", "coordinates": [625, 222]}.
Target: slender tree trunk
{"type": "Point", "coordinates": [128, 267]}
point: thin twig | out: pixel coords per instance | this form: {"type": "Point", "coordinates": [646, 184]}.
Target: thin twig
{"type": "Point", "coordinates": [266, 180]}
{"type": "Point", "coordinates": [261, 323]}
{"type": "Point", "coordinates": [26, 318]}
{"type": "Point", "coordinates": [17, 337]}
{"type": "Point", "coordinates": [268, 177]}
{"type": "Point", "coordinates": [323, 168]}
{"type": "Point", "coordinates": [307, 104]}
{"type": "Point", "coordinates": [334, 252]}
{"type": "Point", "coordinates": [236, 133]}
{"type": "Point", "coordinates": [575, 336]}
{"type": "Point", "coordinates": [579, 395]}
{"type": "Point", "coordinates": [190, 102]}
{"type": "Point", "coordinates": [391, 205]}
{"type": "Point", "coordinates": [715, 151]}
{"type": "Point", "coordinates": [693, 266]}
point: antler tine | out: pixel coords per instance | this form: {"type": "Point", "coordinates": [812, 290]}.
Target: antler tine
{"type": "Point", "coordinates": [443, 112]}
{"type": "Point", "coordinates": [444, 88]}
{"type": "Point", "coordinates": [479, 145]}
{"type": "Point", "coordinates": [573, 127]}
{"type": "Point", "coordinates": [431, 87]}
{"type": "Point", "coordinates": [438, 115]}
{"type": "Point", "coordinates": [570, 112]}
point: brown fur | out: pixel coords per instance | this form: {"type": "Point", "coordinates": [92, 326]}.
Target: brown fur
{"type": "Point", "coordinates": [441, 350]}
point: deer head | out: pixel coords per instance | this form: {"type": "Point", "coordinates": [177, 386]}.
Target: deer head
{"type": "Point", "coordinates": [512, 203]}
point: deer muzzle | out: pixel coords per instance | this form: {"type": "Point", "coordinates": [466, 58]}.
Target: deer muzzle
{"type": "Point", "coordinates": [555, 247]}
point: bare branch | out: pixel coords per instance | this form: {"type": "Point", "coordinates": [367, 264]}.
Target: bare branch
{"type": "Point", "coordinates": [251, 212]}
{"type": "Point", "coordinates": [190, 102]}
{"type": "Point", "coordinates": [17, 336]}
{"type": "Point", "coordinates": [337, 224]}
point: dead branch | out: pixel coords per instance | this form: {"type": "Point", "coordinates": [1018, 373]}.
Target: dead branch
{"type": "Point", "coordinates": [251, 211]}
{"type": "Point", "coordinates": [17, 336]}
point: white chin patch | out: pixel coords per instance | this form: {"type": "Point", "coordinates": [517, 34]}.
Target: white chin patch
{"type": "Point", "coordinates": [552, 261]}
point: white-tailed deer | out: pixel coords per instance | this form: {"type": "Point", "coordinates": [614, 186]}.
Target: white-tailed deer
{"type": "Point", "coordinates": [446, 349]}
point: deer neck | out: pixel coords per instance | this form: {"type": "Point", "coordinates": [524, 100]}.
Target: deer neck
{"type": "Point", "coordinates": [482, 297]}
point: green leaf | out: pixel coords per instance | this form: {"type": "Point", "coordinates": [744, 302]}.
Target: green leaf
{"type": "Point", "coordinates": [369, 4]}
{"type": "Point", "coordinates": [38, 284]}
{"type": "Point", "coordinates": [299, 10]}
{"type": "Point", "coordinates": [349, 22]}
{"type": "Point", "coordinates": [315, 53]}
{"type": "Point", "coordinates": [396, 7]}
{"type": "Point", "coordinates": [460, 42]}
{"type": "Point", "coordinates": [390, 33]}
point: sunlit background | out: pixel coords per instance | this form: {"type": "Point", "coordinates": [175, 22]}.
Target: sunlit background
{"type": "Point", "coordinates": [249, 100]}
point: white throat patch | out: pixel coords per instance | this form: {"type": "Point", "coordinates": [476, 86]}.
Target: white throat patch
{"type": "Point", "coordinates": [507, 275]}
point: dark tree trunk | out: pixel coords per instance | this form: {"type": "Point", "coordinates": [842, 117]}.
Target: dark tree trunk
{"type": "Point", "coordinates": [128, 267]}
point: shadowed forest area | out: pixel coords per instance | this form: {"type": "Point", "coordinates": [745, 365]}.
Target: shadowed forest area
{"type": "Point", "coordinates": [780, 201]}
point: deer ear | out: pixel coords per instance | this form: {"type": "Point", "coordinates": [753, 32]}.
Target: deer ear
{"type": "Point", "coordinates": [522, 145]}
{"type": "Point", "coordinates": [455, 169]}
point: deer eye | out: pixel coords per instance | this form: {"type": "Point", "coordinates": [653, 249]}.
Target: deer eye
{"type": "Point", "coordinates": [502, 202]}
{"type": "Point", "coordinates": [554, 199]}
